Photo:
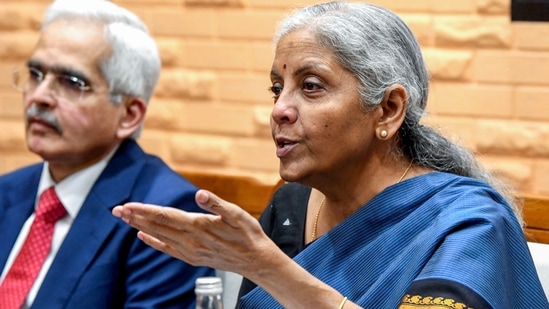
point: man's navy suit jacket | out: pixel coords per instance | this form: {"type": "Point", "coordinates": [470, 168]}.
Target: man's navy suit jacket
{"type": "Point", "coordinates": [101, 263]}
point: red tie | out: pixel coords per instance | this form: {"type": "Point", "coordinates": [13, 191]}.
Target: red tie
{"type": "Point", "coordinates": [27, 265]}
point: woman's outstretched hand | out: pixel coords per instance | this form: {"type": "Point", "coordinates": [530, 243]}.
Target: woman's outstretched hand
{"type": "Point", "coordinates": [229, 238]}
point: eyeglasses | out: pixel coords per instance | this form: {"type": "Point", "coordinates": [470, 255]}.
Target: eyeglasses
{"type": "Point", "coordinates": [63, 85]}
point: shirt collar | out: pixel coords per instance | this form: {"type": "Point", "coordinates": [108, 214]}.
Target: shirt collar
{"type": "Point", "coordinates": [73, 190]}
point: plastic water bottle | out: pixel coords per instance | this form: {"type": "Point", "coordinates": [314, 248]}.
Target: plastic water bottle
{"type": "Point", "coordinates": [209, 293]}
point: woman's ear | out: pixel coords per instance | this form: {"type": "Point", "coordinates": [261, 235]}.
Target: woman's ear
{"type": "Point", "coordinates": [133, 115]}
{"type": "Point", "coordinates": [392, 111]}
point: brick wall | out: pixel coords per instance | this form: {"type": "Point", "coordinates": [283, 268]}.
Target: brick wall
{"type": "Point", "coordinates": [211, 108]}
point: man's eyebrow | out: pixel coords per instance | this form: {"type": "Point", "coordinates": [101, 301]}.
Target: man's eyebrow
{"type": "Point", "coordinates": [58, 70]}
{"type": "Point", "coordinates": [34, 64]}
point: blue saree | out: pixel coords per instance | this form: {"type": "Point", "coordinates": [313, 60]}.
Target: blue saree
{"type": "Point", "coordinates": [433, 241]}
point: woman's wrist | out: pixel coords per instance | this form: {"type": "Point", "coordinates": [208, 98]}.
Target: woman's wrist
{"type": "Point", "coordinates": [342, 303]}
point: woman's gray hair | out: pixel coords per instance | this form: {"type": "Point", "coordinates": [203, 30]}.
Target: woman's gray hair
{"type": "Point", "coordinates": [380, 50]}
{"type": "Point", "coordinates": [134, 65]}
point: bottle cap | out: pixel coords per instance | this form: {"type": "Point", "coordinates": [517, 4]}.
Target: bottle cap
{"type": "Point", "coordinates": [208, 285]}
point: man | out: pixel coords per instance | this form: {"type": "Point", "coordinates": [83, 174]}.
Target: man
{"type": "Point", "coordinates": [85, 92]}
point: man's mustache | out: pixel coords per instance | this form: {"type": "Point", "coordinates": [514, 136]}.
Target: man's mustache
{"type": "Point", "coordinates": [44, 115]}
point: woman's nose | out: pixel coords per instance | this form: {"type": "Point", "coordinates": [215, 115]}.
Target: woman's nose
{"type": "Point", "coordinates": [284, 109]}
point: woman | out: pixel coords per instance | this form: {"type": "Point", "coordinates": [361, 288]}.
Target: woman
{"type": "Point", "coordinates": [379, 210]}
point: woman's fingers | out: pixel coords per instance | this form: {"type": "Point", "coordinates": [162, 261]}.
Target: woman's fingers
{"type": "Point", "coordinates": [214, 204]}
{"type": "Point", "coordinates": [173, 231]}
{"type": "Point", "coordinates": [154, 242]}
{"type": "Point", "coordinates": [166, 224]}
{"type": "Point", "coordinates": [232, 214]}
{"type": "Point", "coordinates": [225, 238]}
{"type": "Point", "coordinates": [176, 252]}
{"type": "Point", "coordinates": [133, 213]}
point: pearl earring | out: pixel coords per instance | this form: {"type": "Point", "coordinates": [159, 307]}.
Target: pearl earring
{"type": "Point", "coordinates": [383, 133]}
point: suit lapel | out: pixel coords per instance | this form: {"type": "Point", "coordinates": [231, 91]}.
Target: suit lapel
{"type": "Point", "coordinates": [16, 205]}
{"type": "Point", "coordinates": [93, 224]}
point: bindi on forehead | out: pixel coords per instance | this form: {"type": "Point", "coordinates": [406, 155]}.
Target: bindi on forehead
{"type": "Point", "coordinates": [284, 66]}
